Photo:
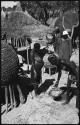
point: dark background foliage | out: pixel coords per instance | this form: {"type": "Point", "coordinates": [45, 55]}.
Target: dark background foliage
{"type": "Point", "coordinates": [42, 10]}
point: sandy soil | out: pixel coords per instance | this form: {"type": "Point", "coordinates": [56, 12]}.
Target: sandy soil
{"type": "Point", "coordinates": [43, 109]}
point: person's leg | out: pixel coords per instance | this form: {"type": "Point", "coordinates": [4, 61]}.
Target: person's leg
{"type": "Point", "coordinates": [33, 74]}
{"type": "Point", "coordinates": [15, 94]}
{"type": "Point", "coordinates": [77, 98]}
{"type": "Point", "coordinates": [39, 76]}
{"type": "Point", "coordinates": [33, 79]}
{"type": "Point", "coordinates": [21, 97]}
{"type": "Point", "coordinates": [37, 81]}
{"type": "Point", "coordinates": [58, 78]}
{"type": "Point", "coordinates": [36, 88]}
{"type": "Point", "coordinates": [68, 89]}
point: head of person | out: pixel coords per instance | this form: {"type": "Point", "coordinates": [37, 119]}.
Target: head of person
{"type": "Point", "coordinates": [36, 47]}
{"type": "Point", "coordinates": [54, 59]}
{"type": "Point", "coordinates": [57, 32]}
{"type": "Point", "coordinates": [49, 38]}
{"type": "Point", "coordinates": [29, 40]}
{"type": "Point", "coordinates": [65, 35]}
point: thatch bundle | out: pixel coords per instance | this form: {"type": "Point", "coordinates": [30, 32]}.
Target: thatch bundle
{"type": "Point", "coordinates": [9, 62]}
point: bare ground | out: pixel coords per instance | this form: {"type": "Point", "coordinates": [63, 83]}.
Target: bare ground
{"type": "Point", "coordinates": [43, 109]}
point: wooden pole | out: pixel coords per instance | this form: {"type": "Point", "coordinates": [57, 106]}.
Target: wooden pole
{"type": "Point", "coordinates": [11, 98]}
{"type": "Point", "coordinates": [6, 97]}
{"type": "Point", "coordinates": [27, 59]}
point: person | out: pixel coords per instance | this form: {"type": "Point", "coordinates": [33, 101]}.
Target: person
{"type": "Point", "coordinates": [57, 32]}
{"type": "Point", "coordinates": [63, 46]}
{"type": "Point", "coordinates": [55, 60]}
{"type": "Point", "coordinates": [74, 35]}
{"type": "Point", "coordinates": [66, 47]}
{"type": "Point", "coordinates": [73, 70]}
{"type": "Point", "coordinates": [37, 64]}
{"type": "Point", "coordinates": [50, 43]}
{"type": "Point", "coordinates": [29, 40]}
{"type": "Point", "coordinates": [63, 51]}
{"type": "Point", "coordinates": [77, 43]}
{"type": "Point", "coordinates": [57, 41]}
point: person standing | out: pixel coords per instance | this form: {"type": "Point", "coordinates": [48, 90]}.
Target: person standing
{"type": "Point", "coordinates": [63, 46]}
{"type": "Point", "coordinates": [65, 50]}
{"type": "Point", "coordinates": [37, 64]}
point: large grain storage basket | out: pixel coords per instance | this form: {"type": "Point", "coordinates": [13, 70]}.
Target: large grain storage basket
{"type": "Point", "coordinates": [9, 62]}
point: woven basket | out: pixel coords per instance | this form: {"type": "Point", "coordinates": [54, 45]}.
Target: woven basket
{"type": "Point", "coordinates": [9, 62]}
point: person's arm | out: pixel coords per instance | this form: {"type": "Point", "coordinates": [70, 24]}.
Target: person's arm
{"type": "Point", "coordinates": [71, 66]}
{"type": "Point", "coordinates": [70, 45]}
{"type": "Point", "coordinates": [32, 57]}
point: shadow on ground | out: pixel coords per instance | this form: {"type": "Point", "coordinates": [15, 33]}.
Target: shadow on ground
{"type": "Point", "coordinates": [45, 85]}
{"type": "Point", "coordinates": [25, 86]}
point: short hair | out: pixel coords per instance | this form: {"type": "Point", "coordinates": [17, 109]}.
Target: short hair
{"type": "Point", "coordinates": [57, 31]}
{"type": "Point", "coordinates": [36, 46]}
{"type": "Point", "coordinates": [65, 36]}
{"type": "Point", "coordinates": [29, 40]}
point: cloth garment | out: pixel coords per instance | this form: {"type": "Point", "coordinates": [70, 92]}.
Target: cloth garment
{"type": "Point", "coordinates": [63, 48]}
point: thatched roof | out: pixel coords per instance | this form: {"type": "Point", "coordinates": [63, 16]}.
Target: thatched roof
{"type": "Point", "coordinates": [14, 23]}
{"type": "Point", "coordinates": [21, 23]}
